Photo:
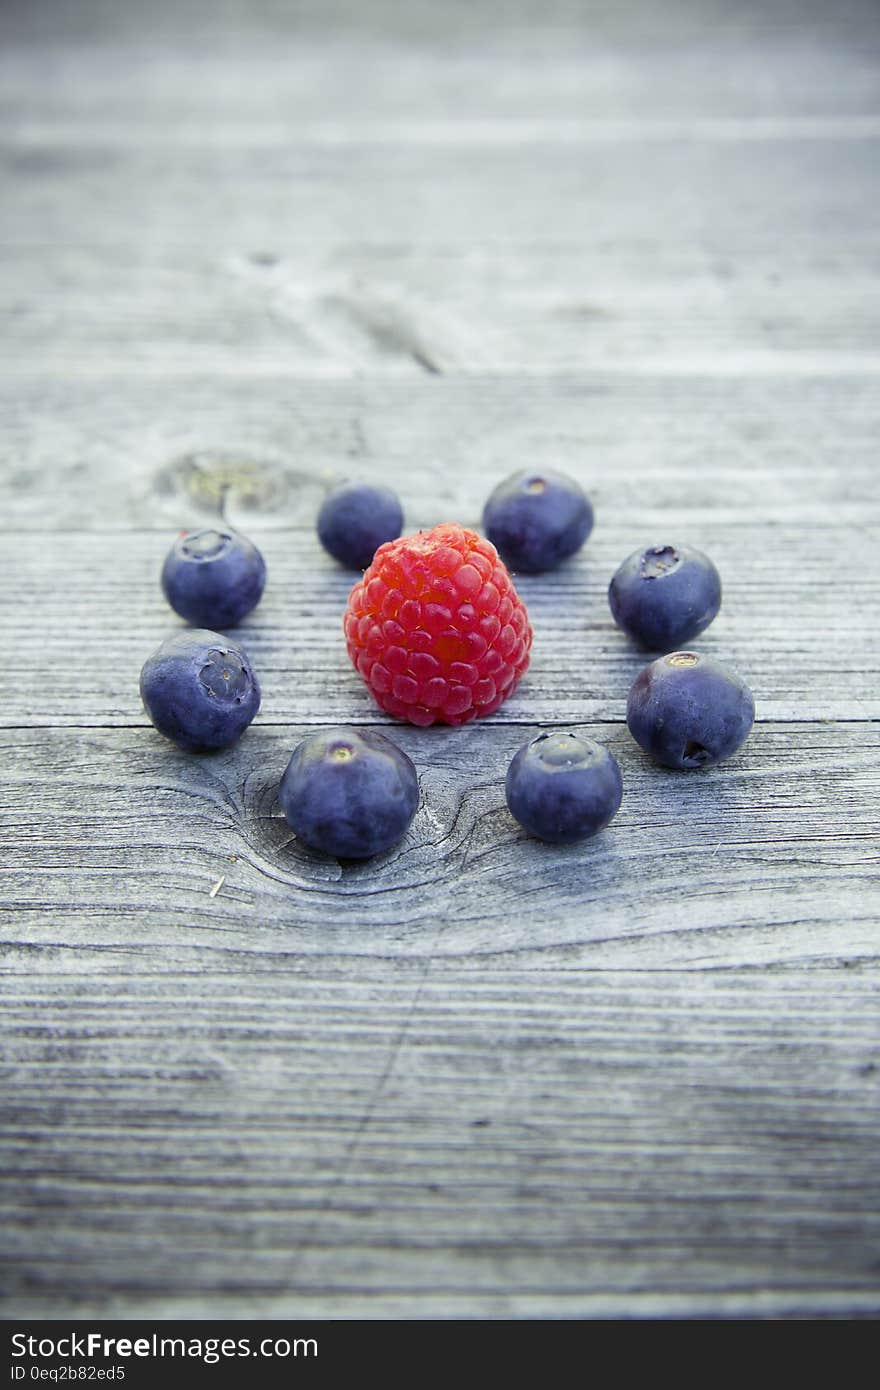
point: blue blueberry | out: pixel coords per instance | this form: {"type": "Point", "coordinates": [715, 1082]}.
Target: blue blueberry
{"type": "Point", "coordinates": [688, 711]}
{"type": "Point", "coordinates": [536, 520]}
{"type": "Point", "coordinates": [349, 792]}
{"type": "Point", "coordinates": [664, 596]}
{"type": "Point", "coordinates": [563, 787]}
{"type": "Point", "coordinates": [355, 519]}
{"type": "Point", "coordinates": [213, 578]}
{"type": "Point", "coordinates": [199, 689]}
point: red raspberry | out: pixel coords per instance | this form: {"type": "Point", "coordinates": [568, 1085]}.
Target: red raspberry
{"type": "Point", "coordinates": [436, 628]}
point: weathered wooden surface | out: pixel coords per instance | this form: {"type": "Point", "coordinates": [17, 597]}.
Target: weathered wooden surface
{"type": "Point", "coordinates": [749, 864]}
{"type": "Point", "coordinates": [250, 248]}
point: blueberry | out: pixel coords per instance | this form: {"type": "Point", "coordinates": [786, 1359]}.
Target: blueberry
{"type": "Point", "coordinates": [355, 519]}
{"type": "Point", "coordinates": [199, 690]}
{"type": "Point", "coordinates": [213, 578]}
{"type": "Point", "coordinates": [536, 520]}
{"type": "Point", "coordinates": [688, 711]}
{"type": "Point", "coordinates": [563, 787]}
{"type": "Point", "coordinates": [662, 597]}
{"type": "Point", "coordinates": [349, 792]}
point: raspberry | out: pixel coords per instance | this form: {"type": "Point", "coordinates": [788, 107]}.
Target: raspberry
{"type": "Point", "coordinates": [436, 628]}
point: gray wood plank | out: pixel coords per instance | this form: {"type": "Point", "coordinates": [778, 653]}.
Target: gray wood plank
{"type": "Point", "coordinates": [792, 636]}
{"type": "Point", "coordinates": [127, 451]}
{"type": "Point", "coordinates": [336, 309]}
{"type": "Point", "coordinates": [247, 252]}
{"type": "Point", "coordinates": [113, 839]}
{"type": "Point", "coordinates": [731, 195]}
{"type": "Point", "coordinates": [541, 1144]}
{"type": "Point", "coordinates": [409, 59]}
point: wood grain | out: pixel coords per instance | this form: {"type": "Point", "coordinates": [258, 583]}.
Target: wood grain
{"type": "Point", "coordinates": [310, 1136]}
{"type": "Point", "coordinates": [812, 665]}
{"type": "Point", "coordinates": [760, 859]}
{"type": "Point", "coordinates": [334, 308]}
{"type": "Point", "coordinates": [268, 199]}
{"type": "Point", "coordinates": [141, 453]}
{"type": "Point", "coordinates": [410, 61]}
{"type": "Point", "coordinates": [250, 249]}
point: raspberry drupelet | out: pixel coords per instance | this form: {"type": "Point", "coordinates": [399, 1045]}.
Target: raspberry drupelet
{"type": "Point", "coordinates": [436, 628]}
